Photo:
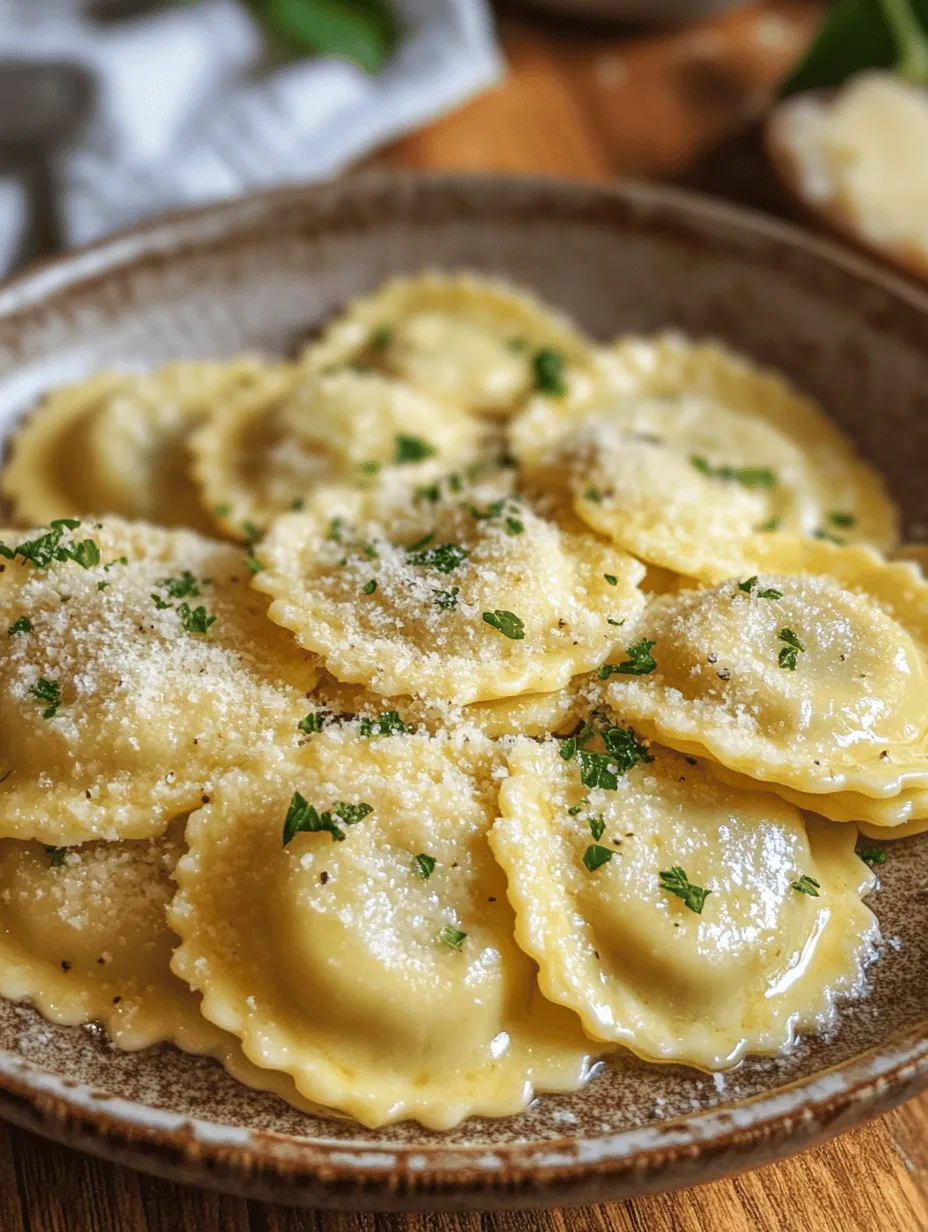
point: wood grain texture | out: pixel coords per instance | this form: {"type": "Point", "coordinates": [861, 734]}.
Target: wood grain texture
{"type": "Point", "coordinates": [591, 104]}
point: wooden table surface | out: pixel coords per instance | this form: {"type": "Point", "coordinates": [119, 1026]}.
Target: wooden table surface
{"type": "Point", "coordinates": [591, 103]}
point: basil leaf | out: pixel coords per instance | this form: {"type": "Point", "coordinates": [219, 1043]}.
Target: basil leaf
{"type": "Point", "coordinates": [363, 31]}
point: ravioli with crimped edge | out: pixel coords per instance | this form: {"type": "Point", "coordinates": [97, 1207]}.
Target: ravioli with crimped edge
{"type": "Point", "coordinates": [811, 676]}
{"type": "Point", "coordinates": [135, 665]}
{"type": "Point", "coordinates": [262, 453]}
{"type": "Point", "coordinates": [692, 451]}
{"type": "Point", "coordinates": [682, 919]}
{"type": "Point", "coordinates": [472, 341]}
{"type": "Point", "coordinates": [465, 598]}
{"type": "Point", "coordinates": [117, 444]}
{"type": "Point", "coordinates": [84, 937]}
{"type": "Point", "coordinates": [344, 917]}
{"type": "Point", "coordinates": [528, 714]}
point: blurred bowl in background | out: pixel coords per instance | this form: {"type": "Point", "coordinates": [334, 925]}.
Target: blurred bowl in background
{"type": "Point", "coordinates": [656, 12]}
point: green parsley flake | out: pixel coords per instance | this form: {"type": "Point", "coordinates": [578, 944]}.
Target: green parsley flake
{"type": "Point", "coordinates": [102, 585]}
{"type": "Point", "coordinates": [597, 827]}
{"type": "Point", "coordinates": [22, 625]}
{"type": "Point", "coordinates": [303, 818]}
{"type": "Point", "coordinates": [445, 600]}
{"type": "Point", "coordinates": [423, 866]}
{"type": "Point", "coordinates": [446, 557]}
{"type": "Point", "coordinates": [597, 770]}
{"type": "Point", "coordinates": [639, 662]}
{"type": "Point", "coordinates": [335, 530]}
{"type": "Point", "coordinates": [613, 581]}
{"type": "Point", "coordinates": [873, 855]}
{"type": "Point", "coordinates": [369, 587]}
{"type": "Point", "coordinates": [624, 748]}
{"type": "Point", "coordinates": [421, 543]}
{"type": "Point", "coordinates": [298, 505]}
{"type": "Point", "coordinates": [452, 937]}
{"type": "Point", "coordinates": [806, 885]}
{"type": "Point", "coordinates": [45, 549]}
{"type": "Point", "coordinates": [253, 565]}
{"type": "Point", "coordinates": [828, 537]}
{"type": "Point", "coordinates": [793, 647]}
{"type": "Point", "coordinates": [312, 722]}
{"type": "Point", "coordinates": [222, 511]}
{"type": "Point", "coordinates": [196, 621]}
{"type": "Point", "coordinates": [675, 881]}
{"type": "Point", "coordinates": [770, 525]}
{"type": "Point", "coordinates": [388, 724]}
{"type": "Point", "coordinates": [47, 691]}
{"type": "Point", "coordinates": [183, 587]}
{"type": "Point", "coordinates": [252, 532]}
{"type": "Point", "coordinates": [514, 526]}
{"type": "Point", "coordinates": [568, 748]}
{"type": "Point", "coordinates": [370, 468]}
{"type": "Point", "coordinates": [594, 495]}
{"type": "Point", "coordinates": [57, 856]}
{"type": "Point", "coordinates": [86, 553]}
{"type": "Point", "coordinates": [411, 449]}
{"type": "Point", "coordinates": [380, 338]}
{"type": "Point", "coordinates": [507, 623]}
{"type": "Point", "coordinates": [595, 857]}
{"type": "Point", "coordinates": [747, 476]}
{"type": "Point", "coordinates": [548, 368]}
{"type": "Point", "coordinates": [430, 492]}
{"type": "Point", "coordinates": [750, 584]}
{"type": "Point", "coordinates": [844, 520]}
{"type": "Point", "coordinates": [160, 603]}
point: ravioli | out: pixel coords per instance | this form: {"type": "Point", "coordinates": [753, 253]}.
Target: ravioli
{"type": "Point", "coordinates": [464, 600]}
{"type": "Point", "coordinates": [699, 978]}
{"type": "Point", "coordinates": [693, 452]}
{"type": "Point", "coordinates": [132, 676]}
{"type": "Point", "coordinates": [470, 341]}
{"type": "Point", "coordinates": [117, 444]}
{"type": "Point", "coordinates": [531, 714]}
{"type": "Point", "coordinates": [84, 937]}
{"type": "Point", "coordinates": [813, 680]}
{"type": "Point", "coordinates": [295, 431]}
{"type": "Point", "coordinates": [378, 970]}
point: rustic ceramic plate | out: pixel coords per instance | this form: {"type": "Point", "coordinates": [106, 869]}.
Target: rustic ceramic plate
{"type": "Point", "coordinates": [262, 274]}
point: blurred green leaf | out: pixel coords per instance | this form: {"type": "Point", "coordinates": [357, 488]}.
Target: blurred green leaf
{"type": "Point", "coordinates": [363, 31]}
{"type": "Point", "coordinates": [861, 34]}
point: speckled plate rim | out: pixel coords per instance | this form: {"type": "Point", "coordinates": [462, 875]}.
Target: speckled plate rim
{"type": "Point", "coordinates": [572, 1170]}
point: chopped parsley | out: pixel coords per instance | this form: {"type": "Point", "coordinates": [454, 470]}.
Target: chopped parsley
{"type": "Point", "coordinates": [806, 885]}
{"type": "Point", "coordinates": [302, 818]}
{"type": "Point", "coordinates": [770, 525]}
{"type": "Point", "coordinates": [751, 583]}
{"type": "Point", "coordinates": [371, 552]}
{"type": "Point", "coordinates": [387, 724]}
{"type": "Point", "coordinates": [369, 587]}
{"type": "Point", "coordinates": [22, 625]}
{"type": "Point", "coordinates": [514, 526]}
{"type": "Point", "coordinates": [873, 855]}
{"type": "Point", "coordinates": [253, 565]}
{"type": "Point", "coordinates": [57, 856]}
{"type": "Point", "coordinates": [159, 603]}
{"type": "Point", "coordinates": [625, 748]}
{"type": "Point", "coordinates": [843, 520]}
{"type": "Point", "coordinates": [788, 653]}
{"type": "Point", "coordinates": [452, 937]}
{"type": "Point", "coordinates": [445, 600]}
{"type": "Point", "coordinates": [611, 579]}
{"type": "Point", "coordinates": [421, 543]}
{"type": "Point", "coordinates": [335, 530]}
{"type": "Point", "coordinates": [507, 623]}
{"type": "Point", "coordinates": [252, 532]}
{"type": "Point", "coordinates": [222, 511]}
{"type": "Point", "coordinates": [828, 537]}
{"type": "Point", "coordinates": [102, 585]}
{"type": "Point", "coordinates": [640, 662]}
{"type": "Point", "coordinates": [675, 881]}
{"type": "Point", "coordinates": [430, 492]}
{"type": "Point", "coordinates": [183, 587]}
{"type": "Point", "coordinates": [594, 495]}
{"type": "Point", "coordinates": [747, 476]}
{"type": "Point", "coordinates": [45, 549]}
{"type": "Point", "coordinates": [446, 557]}
{"type": "Point", "coordinates": [595, 857]}
{"type": "Point", "coordinates": [380, 338]}
{"type": "Point", "coordinates": [311, 722]}
{"type": "Point", "coordinates": [47, 691]}
{"type": "Point", "coordinates": [548, 368]}
{"type": "Point", "coordinates": [297, 505]}
{"type": "Point", "coordinates": [195, 621]}
{"type": "Point", "coordinates": [423, 866]}
{"type": "Point", "coordinates": [597, 827]}
{"type": "Point", "coordinates": [411, 449]}
{"type": "Point", "coordinates": [597, 770]}
{"type": "Point", "coordinates": [493, 510]}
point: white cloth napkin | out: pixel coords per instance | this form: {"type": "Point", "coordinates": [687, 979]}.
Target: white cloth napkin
{"type": "Point", "coordinates": [186, 113]}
